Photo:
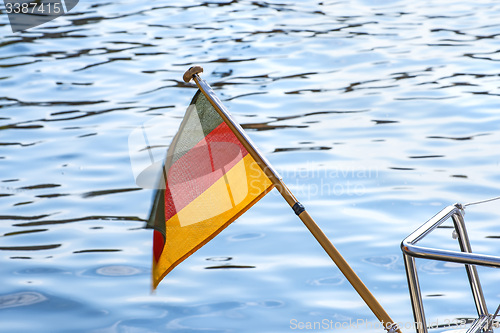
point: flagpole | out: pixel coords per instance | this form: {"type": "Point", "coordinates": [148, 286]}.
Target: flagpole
{"type": "Point", "coordinates": [297, 207]}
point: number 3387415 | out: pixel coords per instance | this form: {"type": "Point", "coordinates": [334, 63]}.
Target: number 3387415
{"type": "Point", "coordinates": [33, 8]}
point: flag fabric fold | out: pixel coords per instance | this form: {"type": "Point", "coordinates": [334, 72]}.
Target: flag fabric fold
{"type": "Point", "coordinates": [209, 179]}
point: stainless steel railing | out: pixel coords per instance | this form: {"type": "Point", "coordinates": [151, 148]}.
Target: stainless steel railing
{"type": "Point", "coordinates": [411, 251]}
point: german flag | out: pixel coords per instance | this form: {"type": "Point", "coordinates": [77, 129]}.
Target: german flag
{"type": "Point", "coordinates": [209, 179]}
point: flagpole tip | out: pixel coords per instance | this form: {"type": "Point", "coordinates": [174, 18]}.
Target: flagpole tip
{"type": "Point", "coordinates": [190, 72]}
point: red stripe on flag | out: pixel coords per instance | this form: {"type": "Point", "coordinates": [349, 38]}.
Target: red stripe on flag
{"type": "Point", "coordinates": [219, 151]}
{"type": "Point", "coordinates": [158, 244]}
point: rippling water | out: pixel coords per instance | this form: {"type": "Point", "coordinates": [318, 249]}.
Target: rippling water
{"type": "Point", "coordinates": [377, 114]}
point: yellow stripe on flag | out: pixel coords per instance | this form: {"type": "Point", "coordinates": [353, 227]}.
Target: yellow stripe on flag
{"type": "Point", "coordinates": [207, 215]}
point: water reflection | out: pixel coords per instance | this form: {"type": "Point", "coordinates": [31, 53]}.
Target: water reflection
{"type": "Point", "coordinates": [229, 267]}
{"type": "Point", "coordinates": [97, 250]}
{"type": "Point", "coordinates": [30, 247]}
{"type": "Point", "coordinates": [23, 232]}
{"type": "Point", "coordinates": [329, 281]}
{"type": "Point", "coordinates": [80, 219]}
{"type": "Point", "coordinates": [121, 270]}
{"type": "Point", "coordinates": [389, 262]}
{"type": "Point", "coordinates": [21, 299]}
{"type": "Point", "coordinates": [246, 236]}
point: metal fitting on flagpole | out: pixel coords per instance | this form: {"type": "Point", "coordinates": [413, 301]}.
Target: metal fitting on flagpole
{"type": "Point", "coordinates": [191, 72]}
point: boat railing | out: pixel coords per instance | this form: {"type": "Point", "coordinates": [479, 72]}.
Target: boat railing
{"type": "Point", "coordinates": [412, 250]}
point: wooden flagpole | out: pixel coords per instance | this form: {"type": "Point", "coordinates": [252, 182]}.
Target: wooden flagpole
{"type": "Point", "coordinates": [297, 207]}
